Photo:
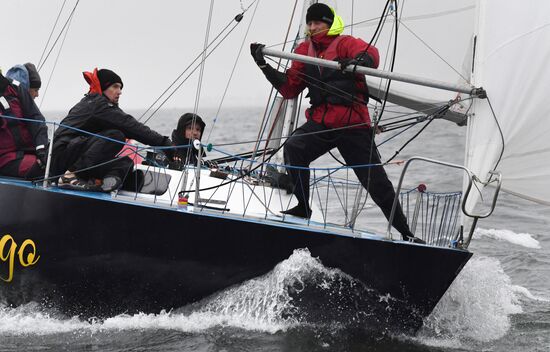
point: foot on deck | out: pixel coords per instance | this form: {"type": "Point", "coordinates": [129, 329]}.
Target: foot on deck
{"type": "Point", "coordinates": [302, 211]}
{"type": "Point", "coordinates": [111, 183]}
{"type": "Point", "coordinates": [413, 239]}
{"type": "Point", "coordinates": [72, 182]}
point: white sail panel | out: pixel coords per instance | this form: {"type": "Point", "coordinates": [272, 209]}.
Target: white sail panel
{"type": "Point", "coordinates": [512, 56]}
{"type": "Point", "coordinates": [434, 42]}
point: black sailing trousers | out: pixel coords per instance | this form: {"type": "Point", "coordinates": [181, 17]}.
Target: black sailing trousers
{"type": "Point", "coordinates": [93, 154]}
{"type": "Point", "coordinates": [357, 148]}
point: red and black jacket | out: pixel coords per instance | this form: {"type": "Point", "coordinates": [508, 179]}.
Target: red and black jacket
{"type": "Point", "coordinates": [337, 99]}
{"type": "Point", "coordinates": [17, 136]}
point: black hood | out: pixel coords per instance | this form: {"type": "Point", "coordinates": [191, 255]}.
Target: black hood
{"type": "Point", "coordinates": [187, 119]}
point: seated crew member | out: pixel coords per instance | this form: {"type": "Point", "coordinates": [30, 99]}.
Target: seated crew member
{"type": "Point", "coordinates": [28, 76]}
{"type": "Point", "coordinates": [83, 157]}
{"type": "Point", "coordinates": [338, 100]}
{"type": "Point", "coordinates": [23, 144]}
{"type": "Point", "coordinates": [190, 127]}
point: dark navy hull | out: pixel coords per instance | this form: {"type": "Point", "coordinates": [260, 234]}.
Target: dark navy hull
{"type": "Point", "coordinates": [100, 257]}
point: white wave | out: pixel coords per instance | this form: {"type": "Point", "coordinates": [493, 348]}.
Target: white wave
{"type": "Point", "coordinates": [476, 308]}
{"type": "Point", "coordinates": [520, 239]}
{"type": "Point", "coordinates": [261, 304]}
{"type": "Point", "coordinates": [31, 319]}
{"type": "Point", "coordinates": [526, 293]}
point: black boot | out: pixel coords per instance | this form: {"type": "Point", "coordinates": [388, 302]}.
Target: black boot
{"type": "Point", "coordinates": [413, 239]}
{"type": "Point", "coordinates": [301, 210]}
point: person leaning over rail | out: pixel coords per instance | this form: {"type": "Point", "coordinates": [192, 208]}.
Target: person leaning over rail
{"type": "Point", "coordinates": [85, 157]}
{"type": "Point", "coordinates": [338, 99]}
{"type": "Point", "coordinates": [190, 127]}
{"type": "Point", "coordinates": [23, 144]}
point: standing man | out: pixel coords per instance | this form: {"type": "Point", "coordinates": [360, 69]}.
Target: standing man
{"type": "Point", "coordinates": [83, 157]}
{"type": "Point", "coordinates": [338, 115]}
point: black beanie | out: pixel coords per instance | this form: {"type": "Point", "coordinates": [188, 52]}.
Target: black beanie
{"type": "Point", "coordinates": [107, 78]}
{"type": "Point", "coordinates": [34, 77]}
{"type": "Point", "coordinates": [320, 12]}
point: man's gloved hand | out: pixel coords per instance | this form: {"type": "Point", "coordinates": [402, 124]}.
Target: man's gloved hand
{"type": "Point", "coordinates": [363, 59]}
{"type": "Point", "coordinates": [344, 63]}
{"type": "Point", "coordinates": [256, 52]}
{"type": "Point", "coordinates": [41, 156]}
{"type": "Point", "coordinates": [169, 152]}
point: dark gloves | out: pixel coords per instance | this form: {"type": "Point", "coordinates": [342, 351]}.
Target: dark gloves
{"type": "Point", "coordinates": [169, 152]}
{"type": "Point", "coordinates": [256, 52]}
{"type": "Point", "coordinates": [41, 156]}
{"type": "Point", "coordinates": [363, 59]}
{"type": "Point", "coordinates": [276, 78]}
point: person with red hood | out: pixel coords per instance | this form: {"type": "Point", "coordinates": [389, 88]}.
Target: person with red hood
{"type": "Point", "coordinates": [80, 157]}
{"type": "Point", "coordinates": [338, 115]}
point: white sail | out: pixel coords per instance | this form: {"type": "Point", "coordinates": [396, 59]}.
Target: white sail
{"type": "Point", "coordinates": [434, 42]}
{"type": "Point", "coordinates": [511, 63]}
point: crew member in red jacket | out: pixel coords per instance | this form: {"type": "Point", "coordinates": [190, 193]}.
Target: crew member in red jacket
{"type": "Point", "coordinates": [23, 132]}
{"type": "Point", "coordinates": [338, 115]}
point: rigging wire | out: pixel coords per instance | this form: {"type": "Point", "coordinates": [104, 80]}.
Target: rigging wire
{"type": "Point", "coordinates": [189, 75]}
{"type": "Point", "coordinates": [56, 60]}
{"type": "Point", "coordinates": [237, 19]}
{"type": "Point", "coordinates": [183, 72]}
{"type": "Point", "coordinates": [233, 69]}
{"type": "Point", "coordinates": [500, 132]}
{"type": "Point", "coordinates": [201, 72]}
{"type": "Point", "coordinates": [433, 51]}
{"type": "Point", "coordinates": [203, 61]}
{"type": "Point", "coordinates": [51, 33]}
{"type": "Point", "coordinates": [264, 122]}
{"type": "Point", "coordinates": [58, 36]}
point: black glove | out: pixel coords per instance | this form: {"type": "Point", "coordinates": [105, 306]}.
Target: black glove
{"type": "Point", "coordinates": [256, 52]}
{"type": "Point", "coordinates": [363, 59]}
{"type": "Point", "coordinates": [169, 152]}
{"type": "Point", "coordinates": [344, 63]}
{"type": "Point", "coordinates": [41, 156]}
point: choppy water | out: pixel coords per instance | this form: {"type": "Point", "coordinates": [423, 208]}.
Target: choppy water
{"type": "Point", "coordinates": [500, 301]}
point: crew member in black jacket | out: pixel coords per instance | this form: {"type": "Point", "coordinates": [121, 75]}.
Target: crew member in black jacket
{"type": "Point", "coordinates": [83, 157]}
{"type": "Point", "coordinates": [190, 127]}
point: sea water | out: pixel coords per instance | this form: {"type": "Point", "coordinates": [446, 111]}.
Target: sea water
{"type": "Point", "coordinates": [500, 301]}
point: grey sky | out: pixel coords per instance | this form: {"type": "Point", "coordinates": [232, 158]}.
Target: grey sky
{"type": "Point", "coordinates": [148, 44]}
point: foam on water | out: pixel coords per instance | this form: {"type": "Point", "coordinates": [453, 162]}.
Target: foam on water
{"type": "Point", "coordinates": [261, 304]}
{"type": "Point", "coordinates": [520, 239]}
{"type": "Point", "coordinates": [32, 319]}
{"type": "Point", "coordinates": [476, 308]}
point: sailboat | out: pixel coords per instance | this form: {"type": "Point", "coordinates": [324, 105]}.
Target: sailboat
{"type": "Point", "coordinates": [198, 231]}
